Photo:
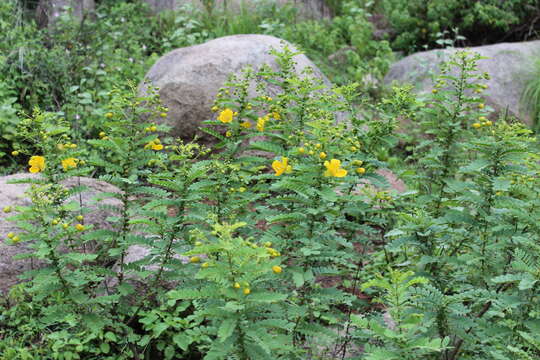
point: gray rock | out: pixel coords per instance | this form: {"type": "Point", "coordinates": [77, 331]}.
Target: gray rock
{"type": "Point", "coordinates": [48, 11]}
{"type": "Point", "coordinates": [13, 195]}
{"type": "Point", "coordinates": [314, 9]}
{"type": "Point", "coordinates": [510, 66]}
{"type": "Point", "coordinates": [189, 78]}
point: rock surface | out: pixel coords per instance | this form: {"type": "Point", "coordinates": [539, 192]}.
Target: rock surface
{"type": "Point", "coordinates": [315, 9]}
{"type": "Point", "coordinates": [14, 195]}
{"type": "Point", "coordinates": [510, 66]}
{"type": "Point", "coordinates": [48, 11]}
{"type": "Point", "coordinates": [189, 78]}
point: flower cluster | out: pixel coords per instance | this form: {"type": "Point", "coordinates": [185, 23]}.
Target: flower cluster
{"type": "Point", "coordinates": [154, 145]}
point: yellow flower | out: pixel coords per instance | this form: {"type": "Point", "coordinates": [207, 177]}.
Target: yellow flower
{"type": "Point", "coordinates": [276, 269]}
{"type": "Point", "coordinates": [10, 235]}
{"type": "Point", "coordinates": [361, 170]}
{"type": "Point", "coordinates": [333, 168]}
{"type": "Point", "coordinates": [228, 134]}
{"type": "Point", "coordinates": [205, 265]}
{"type": "Point", "coordinates": [322, 155]}
{"type": "Point", "coordinates": [273, 252]}
{"type": "Point", "coordinates": [281, 166]}
{"type": "Point", "coordinates": [276, 115]}
{"type": "Point", "coordinates": [154, 145]}
{"type": "Point", "coordinates": [69, 163]}
{"type": "Point", "coordinates": [246, 124]}
{"type": "Point", "coordinates": [15, 239]}
{"type": "Point", "coordinates": [226, 116]}
{"type": "Point", "coordinates": [481, 106]}
{"type": "Point", "coordinates": [260, 123]}
{"type": "Point", "coordinates": [163, 114]}
{"type": "Point", "coordinates": [476, 125]}
{"type": "Point", "coordinates": [109, 115]}
{"type": "Point", "coordinates": [301, 150]}
{"type": "Point", "coordinates": [7, 209]}
{"type": "Point", "coordinates": [37, 164]}
{"type": "Point", "coordinates": [237, 285]}
{"type": "Point", "coordinates": [194, 259]}
{"type": "Point", "coordinates": [247, 291]}
{"type": "Point", "coordinates": [15, 153]}
{"type": "Point", "coordinates": [79, 227]}
{"type": "Point", "coordinates": [102, 134]}
{"type": "Point", "coordinates": [80, 217]}
{"type": "Point", "coordinates": [214, 108]}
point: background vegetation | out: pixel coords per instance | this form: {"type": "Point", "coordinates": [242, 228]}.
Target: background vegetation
{"type": "Point", "coordinates": [289, 247]}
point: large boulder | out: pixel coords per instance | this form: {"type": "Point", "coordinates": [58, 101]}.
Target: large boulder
{"type": "Point", "coordinates": [48, 11]}
{"type": "Point", "coordinates": [315, 9]}
{"type": "Point", "coordinates": [510, 66]}
{"type": "Point", "coordinates": [189, 78]}
{"type": "Point", "coordinates": [13, 195]}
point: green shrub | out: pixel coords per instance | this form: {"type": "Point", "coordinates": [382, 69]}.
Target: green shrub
{"type": "Point", "coordinates": [419, 23]}
{"type": "Point", "coordinates": [258, 250]}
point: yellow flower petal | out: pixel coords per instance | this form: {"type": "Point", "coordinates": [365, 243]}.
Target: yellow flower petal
{"type": "Point", "coordinates": [37, 164]}
{"type": "Point", "coordinates": [281, 166]}
{"type": "Point", "coordinates": [333, 168]}
{"type": "Point", "coordinates": [260, 124]}
{"type": "Point", "coordinates": [226, 116]}
{"type": "Point", "coordinates": [69, 163]}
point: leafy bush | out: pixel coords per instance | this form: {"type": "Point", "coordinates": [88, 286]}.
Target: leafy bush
{"type": "Point", "coordinates": [258, 250]}
{"type": "Point", "coordinates": [419, 23]}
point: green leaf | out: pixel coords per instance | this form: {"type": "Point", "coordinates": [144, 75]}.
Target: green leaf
{"type": "Point", "coordinates": [475, 166]}
{"type": "Point", "coordinates": [527, 282]}
{"type": "Point", "coordinates": [226, 329]}
{"type": "Point", "coordinates": [298, 278]}
{"type": "Point", "coordinates": [182, 341]}
{"type": "Point", "coordinates": [267, 297]}
{"type": "Point", "coordinates": [105, 347]}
